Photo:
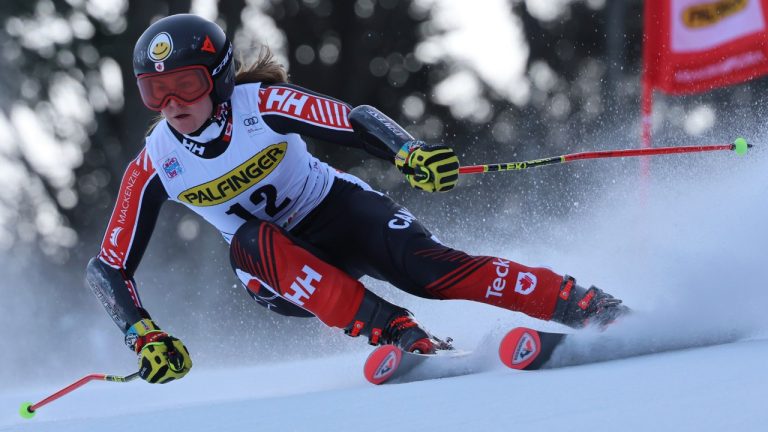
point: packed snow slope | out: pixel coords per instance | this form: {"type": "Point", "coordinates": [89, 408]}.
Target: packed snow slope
{"type": "Point", "coordinates": [684, 248]}
{"type": "Point", "coordinates": [720, 388]}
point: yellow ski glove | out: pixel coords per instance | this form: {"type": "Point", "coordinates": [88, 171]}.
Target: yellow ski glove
{"type": "Point", "coordinates": [162, 358]}
{"type": "Point", "coordinates": [429, 168]}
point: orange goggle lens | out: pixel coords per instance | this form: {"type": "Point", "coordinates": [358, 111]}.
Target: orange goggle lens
{"type": "Point", "coordinates": [187, 85]}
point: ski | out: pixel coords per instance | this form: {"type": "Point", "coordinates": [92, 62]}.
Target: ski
{"type": "Point", "coordinates": [527, 349]}
{"type": "Point", "coordinates": [522, 348]}
{"type": "Point", "coordinates": [390, 364]}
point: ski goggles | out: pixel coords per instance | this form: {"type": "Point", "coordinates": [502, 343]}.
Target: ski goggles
{"type": "Point", "coordinates": [186, 85]}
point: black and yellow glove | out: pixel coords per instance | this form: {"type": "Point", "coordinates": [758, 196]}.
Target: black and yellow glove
{"type": "Point", "coordinates": [429, 168]}
{"type": "Point", "coordinates": [162, 358]}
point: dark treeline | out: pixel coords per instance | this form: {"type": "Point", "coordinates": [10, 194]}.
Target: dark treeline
{"type": "Point", "coordinates": [584, 69]}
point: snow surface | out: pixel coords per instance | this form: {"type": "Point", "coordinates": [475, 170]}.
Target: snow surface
{"type": "Point", "coordinates": [688, 255]}
{"type": "Point", "coordinates": [703, 389]}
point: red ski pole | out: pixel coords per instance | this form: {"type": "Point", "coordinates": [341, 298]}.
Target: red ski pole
{"type": "Point", "coordinates": [28, 409]}
{"type": "Point", "coordinates": [739, 146]}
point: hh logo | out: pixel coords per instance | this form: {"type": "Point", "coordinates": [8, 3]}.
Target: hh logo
{"type": "Point", "coordinates": [302, 287]}
{"type": "Point", "coordinates": [193, 147]}
{"type": "Point", "coordinates": [526, 283]}
{"type": "Point", "coordinates": [287, 101]}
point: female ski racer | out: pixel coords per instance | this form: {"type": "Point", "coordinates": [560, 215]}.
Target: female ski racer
{"type": "Point", "coordinates": [301, 233]}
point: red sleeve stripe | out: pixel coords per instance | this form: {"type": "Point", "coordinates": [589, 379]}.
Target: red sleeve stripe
{"type": "Point", "coordinates": [116, 245]}
{"type": "Point", "coordinates": [309, 108]}
{"type": "Point", "coordinates": [143, 161]}
{"type": "Point", "coordinates": [132, 291]}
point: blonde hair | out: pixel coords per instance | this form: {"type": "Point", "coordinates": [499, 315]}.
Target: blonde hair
{"type": "Point", "coordinates": [265, 69]}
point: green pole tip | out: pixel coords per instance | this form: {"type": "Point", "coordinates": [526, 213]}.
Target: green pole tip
{"type": "Point", "coordinates": [740, 146]}
{"type": "Point", "coordinates": [25, 410]}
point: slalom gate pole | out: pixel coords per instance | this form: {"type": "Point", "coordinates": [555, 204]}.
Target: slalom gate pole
{"type": "Point", "coordinates": [28, 409]}
{"type": "Point", "coordinates": [739, 146]}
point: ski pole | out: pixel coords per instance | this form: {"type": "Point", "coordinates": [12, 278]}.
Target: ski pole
{"type": "Point", "coordinates": [28, 409]}
{"type": "Point", "coordinates": [739, 146]}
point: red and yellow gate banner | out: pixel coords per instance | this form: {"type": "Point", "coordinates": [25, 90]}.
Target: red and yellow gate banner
{"type": "Point", "coordinates": [697, 45]}
{"type": "Point", "coordinates": [694, 46]}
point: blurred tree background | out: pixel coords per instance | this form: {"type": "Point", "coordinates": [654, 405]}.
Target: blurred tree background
{"type": "Point", "coordinates": [525, 79]}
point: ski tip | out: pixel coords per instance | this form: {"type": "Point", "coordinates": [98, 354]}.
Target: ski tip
{"type": "Point", "coordinates": [520, 347]}
{"type": "Point", "coordinates": [382, 364]}
{"type": "Point", "coordinates": [26, 410]}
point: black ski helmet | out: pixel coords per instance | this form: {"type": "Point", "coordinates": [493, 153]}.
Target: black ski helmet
{"type": "Point", "coordinates": [185, 40]}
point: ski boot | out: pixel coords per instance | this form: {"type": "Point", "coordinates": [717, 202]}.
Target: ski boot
{"type": "Point", "coordinates": [406, 333]}
{"type": "Point", "coordinates": [578, 307]}
{"type": "Point", "coordinates": [385, 323]}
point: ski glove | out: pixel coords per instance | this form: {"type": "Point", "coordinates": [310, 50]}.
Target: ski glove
{"type": "Point", "coordinates": [428, 167]}
{"type": "Point", "coordinates": [162, 358]}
